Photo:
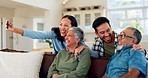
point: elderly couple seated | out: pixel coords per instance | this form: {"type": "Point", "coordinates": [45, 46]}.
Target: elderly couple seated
{"type": "Point", "coordinates": [125, 63]}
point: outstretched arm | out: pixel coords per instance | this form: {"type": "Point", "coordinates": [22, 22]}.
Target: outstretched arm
{"type": "Point", "coordinates": [11, 28]}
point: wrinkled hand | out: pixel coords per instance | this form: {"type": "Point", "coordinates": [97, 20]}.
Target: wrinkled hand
{"type": "Point", "coordinates": [9, 26]}
{"type": "Point", "coordinates": [138, 47]}
{"type": "Point", "coordinates": [78, 50]}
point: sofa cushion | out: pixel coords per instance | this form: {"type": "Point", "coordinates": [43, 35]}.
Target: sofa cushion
{"type": "Point", "coordinates": [20, 65]}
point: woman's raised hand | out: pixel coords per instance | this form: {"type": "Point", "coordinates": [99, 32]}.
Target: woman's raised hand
{"type": "Point", "coordinates": [10, 26]}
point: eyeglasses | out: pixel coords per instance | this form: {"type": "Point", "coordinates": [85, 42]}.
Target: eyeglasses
{"type": "Point", "coordinates": [123, 35]}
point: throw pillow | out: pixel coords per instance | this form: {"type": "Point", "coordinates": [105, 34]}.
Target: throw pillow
{"type": "Point", "coordinates": [20, 65]}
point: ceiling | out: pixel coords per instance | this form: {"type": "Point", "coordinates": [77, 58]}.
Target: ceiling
{"type": "Point", "coordinates": [12, 4]}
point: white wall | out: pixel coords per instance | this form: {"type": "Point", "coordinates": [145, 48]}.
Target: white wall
{"type": "Point", "coordinates": [54, 15]}
{"type": "Point", "coordinates": [20, 42]}
{"type": "Point", "coordinates": [51, 16]}
{"type": "Point", "coordinates": [6, 12]}
{"type": "Point", "coordinates": [37, 3]}
{"type": "Point", "coordinates": [28, 12]}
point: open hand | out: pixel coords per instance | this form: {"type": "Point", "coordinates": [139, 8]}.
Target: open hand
{"type": "Point", "coordinates": [78, 50]}
{"type": "Point", "coordinates": [138, 47]}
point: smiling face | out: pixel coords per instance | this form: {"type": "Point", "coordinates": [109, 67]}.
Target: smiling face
{"type": "Point", "coordinates": [71, 39]}
{"type": "Point", "coordinates": [64, 26]}
{"type": "Point", "coordinates": [104, 31]}
{"type": "Point", "coordinates": [125, 38]}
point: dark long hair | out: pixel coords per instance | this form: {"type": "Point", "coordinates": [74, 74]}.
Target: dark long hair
{"type": "Point", "coordinates": [57, 30]}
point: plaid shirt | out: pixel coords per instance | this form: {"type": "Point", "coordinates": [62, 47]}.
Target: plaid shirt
{"type": "Point", "coordinates": [98, 45]}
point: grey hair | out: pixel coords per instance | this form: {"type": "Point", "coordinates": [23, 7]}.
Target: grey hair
{"type": "Point", "coordinates": [78, 32]}
{"type": "Point", "coordinates": [136, 33]}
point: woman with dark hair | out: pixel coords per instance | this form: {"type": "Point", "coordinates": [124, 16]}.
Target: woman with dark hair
{"type": "Point", "coordinates": [56, 34]}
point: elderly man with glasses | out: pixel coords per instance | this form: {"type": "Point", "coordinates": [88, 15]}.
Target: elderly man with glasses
{"type": "Point", "coordinates": [127, 63]}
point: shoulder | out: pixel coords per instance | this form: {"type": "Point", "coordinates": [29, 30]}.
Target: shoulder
{"type": "Point", "coordinates": [85, 51]}
{"type": "Point", "coordinates": [136, 55]}
{"type": "Point", "coordinates": [136, 52]}
{"type": "Point", "coordinates": [61, 53]}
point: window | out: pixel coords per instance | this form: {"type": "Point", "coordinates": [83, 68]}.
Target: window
{"type": "Point", "coordinates": [123, 13]}
{"type": "Point", "coordinates": [77, 16]}
{"type": "Point", "coordinates": [145, 2]}
{"type": "Point", "coordinates": [97, 15]}
{"type": "Point", "coordinates": [146, 28]}
{"type": "Point", "coordinates": [117, 14]}
{"type": "Point", "coordinates": [87, 19]}
{"type": "Point", "coordinates": [134, 13]}
{"type": "Point", "coordinates": [146, 13]}
{"type": "Point", "coordinates": [124, 3]}
{"type": "Point", "coordinates": [40, 27]}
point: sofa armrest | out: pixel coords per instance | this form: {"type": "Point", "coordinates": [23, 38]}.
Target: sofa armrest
{"type": "Point", "coordinates": [47, 61]}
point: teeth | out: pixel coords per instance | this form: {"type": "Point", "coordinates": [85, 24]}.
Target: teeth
{"type": "Point", "coordinates": [107, 38]}
{"type": "Point", "coordinates": [67, 41]}
{"type": "Point", "coordinates": [62, 31]}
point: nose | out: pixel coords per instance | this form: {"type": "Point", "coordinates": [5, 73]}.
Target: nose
{"type": "Point", "coordinates": [119, 38]}
{"type": "Point", "coordinates": [65, 37]}
{"type": "Point", "coordinates": [61, 26]}
{"type": "Point", "coordinates": [106, 34]}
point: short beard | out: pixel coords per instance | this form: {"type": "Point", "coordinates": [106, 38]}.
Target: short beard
{"type": "Point", "coordinates": [119, 47]}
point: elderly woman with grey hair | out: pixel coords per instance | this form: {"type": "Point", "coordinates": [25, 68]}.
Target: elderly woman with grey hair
{"type": "Point", "coordinates": [65, 64]}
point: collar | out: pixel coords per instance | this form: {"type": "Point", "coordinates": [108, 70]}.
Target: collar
{"type": "Point", "coordinates": [126, 47]}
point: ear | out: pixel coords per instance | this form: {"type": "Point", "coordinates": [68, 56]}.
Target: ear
{"type": "Point", "coordinates": [78, 40]}
{"type": "Point", "coordinates": [96, 33]}
{"type": "Point", "coordinates": [134, 41]}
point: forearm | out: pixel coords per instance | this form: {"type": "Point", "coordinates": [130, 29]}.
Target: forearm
{"type": "Point", "coordinates": [18, 31]}
{"type": "Point", "coordinates": [94, 54]}
{"type": "Point", "coordinates": [133, 73]}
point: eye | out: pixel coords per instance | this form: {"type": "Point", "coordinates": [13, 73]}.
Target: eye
{"type": "Point", "coordinates": [65, 25]}
{"type": "Point", "coordinates": [108, 30]}
{"type": "Point", "coordinates": [102, 32]}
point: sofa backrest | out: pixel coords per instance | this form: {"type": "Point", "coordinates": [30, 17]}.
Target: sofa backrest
{"type": "Point", "coordinates": [97, 68]}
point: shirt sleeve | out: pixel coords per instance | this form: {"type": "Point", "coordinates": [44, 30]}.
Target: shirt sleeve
{"type": "Point", "coordinates": [94, 54]}
{"type": "Point", "coordinates": [38, 34]}
{"type": "Point", "coordinates": [82, 68]}
{"type": "Point", "coordinates": [137, 60]}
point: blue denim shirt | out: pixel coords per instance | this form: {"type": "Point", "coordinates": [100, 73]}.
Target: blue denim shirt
{"type": "Point", "coordinates": [125, 59]}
